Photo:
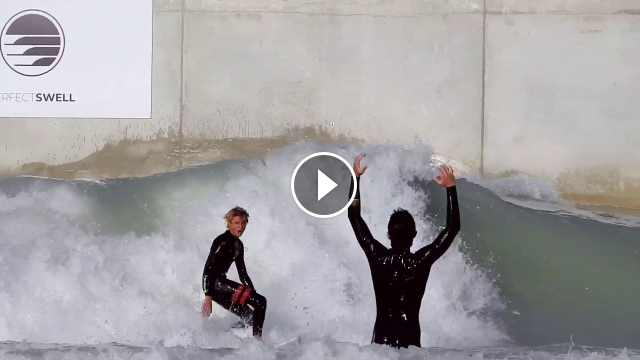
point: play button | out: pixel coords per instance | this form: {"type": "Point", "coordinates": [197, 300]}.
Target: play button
{"type": "Point", "coordinates": [325, 185]}
{"type": "Point", "coordinates": [320, 185]}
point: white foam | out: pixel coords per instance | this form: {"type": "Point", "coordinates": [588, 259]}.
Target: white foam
{"type": "Point", "coordinates": [520, 187]}
{"type": "Point", "coordinates": [301, 348]}
{"type": "Point", "coordinates": [61, 284]}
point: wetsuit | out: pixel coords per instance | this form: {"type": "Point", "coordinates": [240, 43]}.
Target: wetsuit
{"type": "Point", "coordinates": [399, 276]}
{"type": "Point", "coordinates": [241, 300]}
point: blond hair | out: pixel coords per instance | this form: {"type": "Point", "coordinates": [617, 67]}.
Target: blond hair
{"type": "Point", "coordinates": [237, 211]}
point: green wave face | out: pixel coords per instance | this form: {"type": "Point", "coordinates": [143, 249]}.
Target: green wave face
{"type": "Point", "coordinates": [562, 277]}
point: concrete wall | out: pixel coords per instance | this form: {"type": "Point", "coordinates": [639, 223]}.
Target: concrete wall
{"type": "Point", "coordinates": [563, 96]}
{"type": "Point", "coordinates": [557, 102]}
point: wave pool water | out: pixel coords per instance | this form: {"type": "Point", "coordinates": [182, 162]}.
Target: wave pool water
{"type": "Point", "coordinates": [112, 269]}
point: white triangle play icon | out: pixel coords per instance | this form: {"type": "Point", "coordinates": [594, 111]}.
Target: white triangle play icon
{"type": "Point", "coordinates": [325, 185]}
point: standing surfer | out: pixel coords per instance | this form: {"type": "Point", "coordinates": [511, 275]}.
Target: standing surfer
{"type": "Point", "coordinates": [399, 276]}
{"type": "Point", "coordinates": [241, 299]}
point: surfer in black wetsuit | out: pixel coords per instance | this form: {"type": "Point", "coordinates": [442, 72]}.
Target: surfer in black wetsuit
{"type": "Point", "coordinates": [241, 299]}
{"type": "Point", "coordinates": [399, 276]}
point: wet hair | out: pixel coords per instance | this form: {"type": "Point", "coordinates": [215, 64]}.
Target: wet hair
{"type": "Point", "coordinates": [401, 228]}
{"type": "Point", "coordinates": [237, 211]}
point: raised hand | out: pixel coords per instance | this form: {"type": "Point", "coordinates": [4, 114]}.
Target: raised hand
{"type": "Point", "coordinates": [357, 168]}
{"type": "Point", "coordinates": [446, 177]}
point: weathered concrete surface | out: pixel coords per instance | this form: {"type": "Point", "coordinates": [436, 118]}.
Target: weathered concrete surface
{"type": "Point", "coordinates": [126, 158]}
{"type": "Point", "coordinates": [167, 5]}
{"type": "Point", "coordinates": [380, 79]}
{"type": "Point", "coordinates": [582, 7]}
{"type": "Point", "coordinates": [382, 8]}
{"type": "Point", "coordinates": [562, 103]}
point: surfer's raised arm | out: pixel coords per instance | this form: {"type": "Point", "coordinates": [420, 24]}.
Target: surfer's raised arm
{"type": "Point", "coordinates": [432, 252]}
{"type": "Point", "coordinates": [372, 247]}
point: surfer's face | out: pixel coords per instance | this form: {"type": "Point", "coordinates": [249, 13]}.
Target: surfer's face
{"type": "Point", "coordinates": [237, 226]}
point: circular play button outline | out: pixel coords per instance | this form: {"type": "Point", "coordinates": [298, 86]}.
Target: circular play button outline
{"type": "Point", "coordinates": [353, 176]}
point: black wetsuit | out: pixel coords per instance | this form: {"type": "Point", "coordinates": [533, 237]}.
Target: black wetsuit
{"type": "Point", "coordinates": [400, 277]}
{"type": "Point", "coordinates": [237, 298]}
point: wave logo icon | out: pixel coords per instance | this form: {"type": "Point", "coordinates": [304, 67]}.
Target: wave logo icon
{"type": "Point", "coordinates": [32, 43]}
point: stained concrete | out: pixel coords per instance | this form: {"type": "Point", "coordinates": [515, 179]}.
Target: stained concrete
{"type": "Point", "coordinates": [579, 7]}
{"type": "Point", "coordinates": [381, 8]}
{"type": "Point", "coordinates": [562, 104]}
{"type": "Point", "coordinates": [376, 78]}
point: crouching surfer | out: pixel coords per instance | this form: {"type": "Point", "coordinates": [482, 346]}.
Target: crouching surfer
{"type": "Point", "coordinates": [240, 299]}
